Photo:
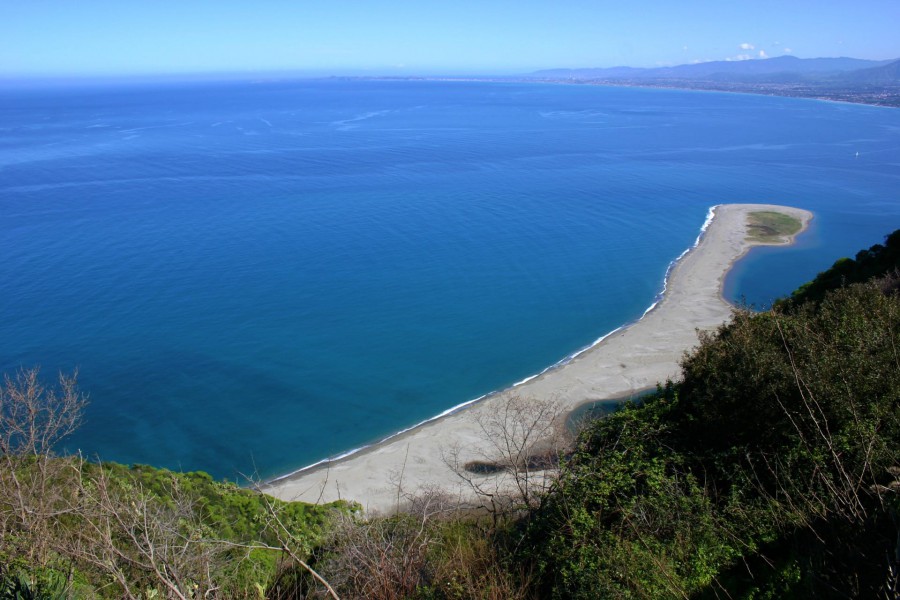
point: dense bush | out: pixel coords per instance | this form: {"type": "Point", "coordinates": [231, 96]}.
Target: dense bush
{"type": "Point", "coordinates": [71, 528]}
{"type": "Point", "coordinates": [774, 453]}
{"type": "Point", "coordinates": [231, 512]}
{"type": "Point", "coordinates": [877, 261]}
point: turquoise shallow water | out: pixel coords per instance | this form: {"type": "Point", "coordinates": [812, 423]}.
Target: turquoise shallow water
{"type": "Point", "coordinates": [252, 276]}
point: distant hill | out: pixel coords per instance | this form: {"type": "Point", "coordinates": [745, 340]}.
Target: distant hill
{"type": "Point", "coordinates": [888, 74]}
{"type": "Point", "coordinates": [609, 73]}
{"type": "Point", "coordinates": [775, 70]}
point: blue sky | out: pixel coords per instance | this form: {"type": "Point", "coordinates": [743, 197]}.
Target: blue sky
{"type": "Point", "coordinates": [112, 37]}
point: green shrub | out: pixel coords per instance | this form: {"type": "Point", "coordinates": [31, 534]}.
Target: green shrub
{"type": "Point", "coordinates": [766, 471]}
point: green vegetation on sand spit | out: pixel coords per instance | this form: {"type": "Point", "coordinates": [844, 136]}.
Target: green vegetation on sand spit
{"type": "Point", "coordinates": [771, 227]}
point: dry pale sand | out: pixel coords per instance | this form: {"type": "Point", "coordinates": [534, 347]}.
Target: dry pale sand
{"type": "Point", "coordinates": [631, 359]}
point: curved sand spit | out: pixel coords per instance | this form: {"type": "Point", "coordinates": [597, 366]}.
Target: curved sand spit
{"type": "Point", "coordinates": [629, 360]}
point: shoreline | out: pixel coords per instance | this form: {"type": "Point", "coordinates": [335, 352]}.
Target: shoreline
{"type": "Point", "coordinates": [326, 462]}
{"type": "Point", "coordinates": [370, 474]}
{"type": "Point", "coordinates": [648, 85]}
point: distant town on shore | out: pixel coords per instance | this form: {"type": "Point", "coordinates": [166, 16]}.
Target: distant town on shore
{"type": "Point", "coordinates": [838, 79]}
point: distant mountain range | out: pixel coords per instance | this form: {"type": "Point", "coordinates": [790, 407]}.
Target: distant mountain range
{"type": "Point", "coordinates": [780, 70]}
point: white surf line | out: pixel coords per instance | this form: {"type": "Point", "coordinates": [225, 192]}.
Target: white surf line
{"type": "Point", "coordinates": [710, 215]}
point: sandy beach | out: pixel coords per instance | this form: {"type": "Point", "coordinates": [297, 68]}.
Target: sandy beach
{"type": "Point", "coordinates": [627, 361]}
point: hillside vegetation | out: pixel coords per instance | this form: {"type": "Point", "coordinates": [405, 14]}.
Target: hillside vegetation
{"type": "Point", "coordinates": [769, 469]}
{"type": "Point", "coordinates": [878, 261]}
{"type": "Point", "coordinates": [75, 529]}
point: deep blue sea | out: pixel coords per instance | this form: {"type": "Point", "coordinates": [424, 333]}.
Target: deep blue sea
{"type": "Point", "coordinates": [252, 276]}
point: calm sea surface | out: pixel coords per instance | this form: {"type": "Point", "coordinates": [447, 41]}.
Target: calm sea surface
{"type": "Point", "coordinates": [255, 276]}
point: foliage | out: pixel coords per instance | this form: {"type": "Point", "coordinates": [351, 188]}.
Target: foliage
{"type": "Point", "coordinates": [35, 487]}
{"type": "Point", "coordinates": [39, 585]}
{"type": "Point", "coordinates": [764, 473]}
{"type": "Point", "coordinates": [213, 537]}
{"type": "Point", "coordinates": [628, 518]}
{"type": "Point", "coordinates": [433, 552]}
{"type": "Point", "coordinates": [877, 261]}
{"type": "Point", "coordinates": [229, 511]}
{"type": "Point", "coordinates": [135, 532]}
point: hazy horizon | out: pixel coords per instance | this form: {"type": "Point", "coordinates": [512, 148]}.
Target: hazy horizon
{"type": "Point", "coordinates": [298, 74]}
{"type": "Point", "coordinates": [101, 38]}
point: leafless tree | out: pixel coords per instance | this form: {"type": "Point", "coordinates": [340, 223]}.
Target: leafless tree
{"type": "Point", "coordinates": [35, 486]}
{"type": "Point", "coordinates": [292, 546]}
{"type": "Point", "coordinates": [428, 546]}
{"type": "Point", "coordinates": [143, 542]}
{"type": "Point", "coordinates": [517, 456]}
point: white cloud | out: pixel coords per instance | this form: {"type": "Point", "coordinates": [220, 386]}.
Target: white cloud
{"type": "Point", "coordinates": [739, 57]}
{"type": "Point", "coordinates": [762, 54]}
{"type": "Point", "coordinates": [787, 50]}
{"type": "Point", "coordinates": [746, 46]}
{"type": "Point", "coordinates": [684, 48]}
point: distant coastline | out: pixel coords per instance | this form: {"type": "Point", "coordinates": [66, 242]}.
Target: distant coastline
{"type": "Point", "coordinates": [886, 94]}
{"type": "Point", "coordinates": [849, 80]}
{"type": "Point", "coordinates": [890, 99]}
{"type": "Point", "coordinates": [885, 98]}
